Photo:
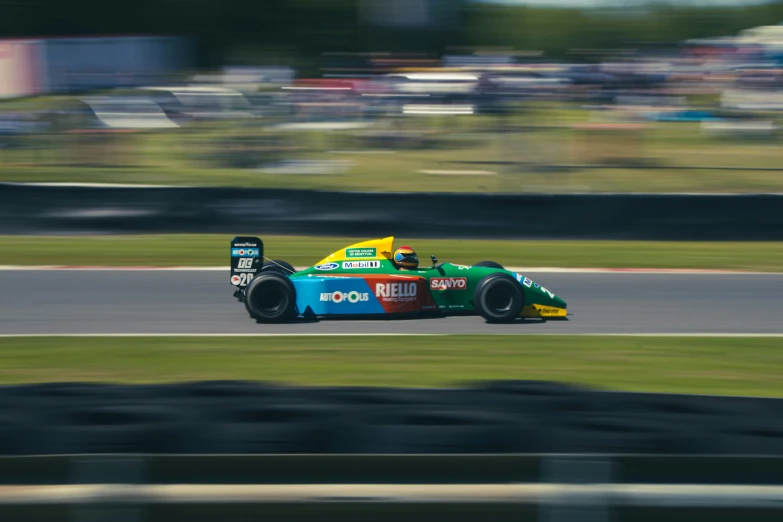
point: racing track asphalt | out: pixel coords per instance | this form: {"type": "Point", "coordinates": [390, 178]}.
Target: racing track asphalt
{"type": "Point", "coordinates": [200, 302]}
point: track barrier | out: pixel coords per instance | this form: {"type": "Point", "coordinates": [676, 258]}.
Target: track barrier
{"type": "Point", "coordinates": [541, 488]}
{"type": "Point", "coordinates": [501, 417]}
{"type": "Point", "coordinates": [42, 209]}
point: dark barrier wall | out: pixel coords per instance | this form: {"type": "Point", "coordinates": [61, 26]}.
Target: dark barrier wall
{"type": "Point", "coordinates": [27, 209]}
{"type": "Point", "coordinates": [499, 417]}
{"type": "Point", "coordinates": [391, 469]}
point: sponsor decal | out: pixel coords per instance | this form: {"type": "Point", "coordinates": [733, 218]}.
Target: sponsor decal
{"type": "Point", "coordinates": [327, 266]}
{"type": "Point", "coordinates": [463, 267]}
{"type": "Point", "coordinates": [242, 279]}
{"type": "Point", "coordinates": [344, 297]}
{"type": "Point", "coordinates": [351, 253]}
{"type": "Point", "coordinates": [527, 282]}
{"type": "Point", "coordinates": [396, 291]}
{"type": "Point", "coordinates": [245, 262]}
{"type": "Point", "coordinates": [349, 265]}
{"type": "Point", "coordinates": [550, 311]}
{"type": "Point", "coordinates": [449, 283]}
{"type": "Point", "coordinates": [244, 245]}
{"type": "Point", "coordinates": [242, 252]}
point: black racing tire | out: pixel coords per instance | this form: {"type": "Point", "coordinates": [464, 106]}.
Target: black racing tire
{"type": "Point", "coordinates": [489, 264]}
{"type": "Point", "coordinates": [499, 298]}
{"type": "Point", "coordinates": [271, 298]}
{"type": "Point", "coordinates": [279, 266]}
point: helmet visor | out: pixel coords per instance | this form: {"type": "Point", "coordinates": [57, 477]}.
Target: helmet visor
{"type": "Point", "coordinates": [406, 258]}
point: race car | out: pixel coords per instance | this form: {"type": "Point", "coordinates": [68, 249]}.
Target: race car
{"type": "Point", "coordinates": [363, 279]}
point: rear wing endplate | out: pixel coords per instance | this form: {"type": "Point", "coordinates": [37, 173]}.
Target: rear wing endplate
{"type": "Point", "coordinates": [247, 259]}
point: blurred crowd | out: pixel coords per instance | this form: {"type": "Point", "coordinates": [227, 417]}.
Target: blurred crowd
{"type": "Point", "coordinates": [729, 85]}
{"type": "Point", "coordinates": [656, 84]}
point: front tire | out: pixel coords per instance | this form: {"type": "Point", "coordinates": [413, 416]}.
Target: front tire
{"type": "Point", "coordinates": [271, 298]}
{"type": "Point", "coordinates": [499, 298]}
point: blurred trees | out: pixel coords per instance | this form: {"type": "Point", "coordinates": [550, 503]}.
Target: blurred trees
{"type": "Point", "coordinates": [556, 30]}
{"type": "Point", "coordinates": [302, 29]}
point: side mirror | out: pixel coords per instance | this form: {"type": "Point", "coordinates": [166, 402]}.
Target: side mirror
{"type": "Point", "coordinates": [434, 260]}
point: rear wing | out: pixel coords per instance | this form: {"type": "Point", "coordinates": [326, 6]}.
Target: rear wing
{"type": "Point", "coordinates": [247, 259]}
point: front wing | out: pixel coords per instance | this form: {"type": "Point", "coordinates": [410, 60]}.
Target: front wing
{"type": "Point", "coordinates": [542, 311]}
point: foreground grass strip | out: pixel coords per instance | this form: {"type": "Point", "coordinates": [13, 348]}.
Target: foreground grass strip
{"type": "Point", "coordinates": [212, 250]}
{"type": "Point", "coordinates": [732, 366]}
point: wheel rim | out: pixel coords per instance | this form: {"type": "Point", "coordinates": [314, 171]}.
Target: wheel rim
{"type": "Point", "coordinates": [500, 298]}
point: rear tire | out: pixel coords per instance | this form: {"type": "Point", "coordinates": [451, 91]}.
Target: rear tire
{"type": "Point", "coordinates": [271, 298]}
{"type": "Point", "coordinates": [279, 266]}
{"type": "Point", "coordinates": [499, 298]}
{"type": "Point", "coordinates": [490, 264]}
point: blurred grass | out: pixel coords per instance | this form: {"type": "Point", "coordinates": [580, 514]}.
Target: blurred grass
{"type": "Point", "coordinates": [732, 366]}
{"type": "Point", "coordinates": [213, 250]}
{"type": "Point", "coordinates": [526, 143]}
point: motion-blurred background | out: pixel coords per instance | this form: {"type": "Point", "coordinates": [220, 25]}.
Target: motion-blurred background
{"type": "Point", "coordinates": [414, 95]}
{"type": "Point", "coordinates": [577, 135]}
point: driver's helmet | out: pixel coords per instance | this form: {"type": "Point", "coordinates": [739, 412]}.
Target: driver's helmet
{"type": "Point", "coordinates": [405, 257]}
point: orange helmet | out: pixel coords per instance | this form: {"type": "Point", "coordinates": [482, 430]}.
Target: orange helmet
{"type": "Point", "coordinates": [405, 257]}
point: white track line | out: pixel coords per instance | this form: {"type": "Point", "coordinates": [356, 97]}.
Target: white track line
{"type": "Point", "coordinates": [225, 335]}
{"type": "Point", "coordinates": [499, 334]}
{"type": "Point", "coordinates": [529, 269]}
{"type": "Point", "coordinates": [651, 334]}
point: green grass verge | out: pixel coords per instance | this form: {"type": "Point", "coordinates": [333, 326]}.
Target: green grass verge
{"type": "Point", "coordinates": [733, 366]}
{"type": "Point", "coordinates": [401, 172]}
{"type": "Point", "coordinates": [228, 153]}
{"type": "Point", "coordinates": [213, 250]}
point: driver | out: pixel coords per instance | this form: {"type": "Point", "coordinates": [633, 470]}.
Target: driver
{"type": "Point", "coordinates": [405, 257]}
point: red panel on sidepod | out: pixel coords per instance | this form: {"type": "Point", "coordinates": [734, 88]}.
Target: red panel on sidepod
{"type": "Point", "coordinates": [401, 293]}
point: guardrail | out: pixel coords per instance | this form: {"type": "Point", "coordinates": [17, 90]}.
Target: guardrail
{"type": "Point", "coordinates": [541, 488]}
{"type": "Point", "coordinates": [37, 470]}
{"type": "Point", "coordinates": [35, 209]}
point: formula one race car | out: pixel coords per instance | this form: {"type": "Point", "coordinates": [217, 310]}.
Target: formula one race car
{"type": "Point", "coordinates": [364, 279]}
